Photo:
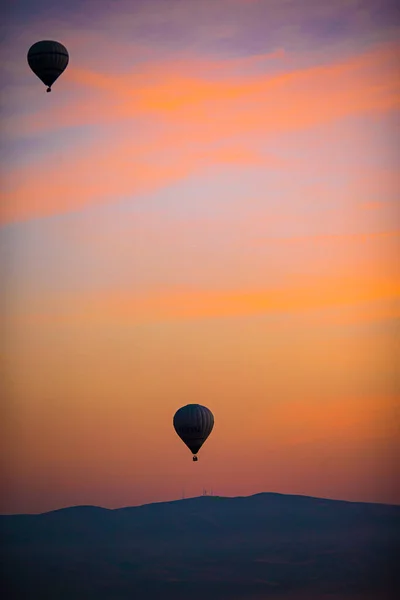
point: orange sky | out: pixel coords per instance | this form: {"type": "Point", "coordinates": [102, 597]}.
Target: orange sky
{"type": "Point", "coordinates": [205, 218]}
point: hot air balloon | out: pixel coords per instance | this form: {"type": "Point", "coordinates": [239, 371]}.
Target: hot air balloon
{"type": "Point", "coordinates": [48, 60]}
{"type": "Point", "coordinates": [193, 423]}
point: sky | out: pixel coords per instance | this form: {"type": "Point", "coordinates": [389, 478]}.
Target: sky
{"type": "Point", "coordinates": [204, 210]}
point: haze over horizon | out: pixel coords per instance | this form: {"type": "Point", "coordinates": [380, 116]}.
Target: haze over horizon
{"type": "Point", "coordinates": [204, 209]}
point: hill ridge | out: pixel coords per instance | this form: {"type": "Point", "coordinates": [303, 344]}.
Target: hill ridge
{"type": "Point", "coordinates": [269, 495]}
{"type": "Point", "coordinates": [225, 548]}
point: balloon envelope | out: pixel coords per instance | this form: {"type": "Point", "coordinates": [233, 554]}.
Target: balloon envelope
{"type": "Point", "coordinates": [48, 59]}
{"type": "Point", "coordinates": [193, 423]}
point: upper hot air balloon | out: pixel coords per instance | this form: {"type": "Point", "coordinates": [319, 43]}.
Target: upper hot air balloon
{"type": "Point", "coordinates": [48, 60]}
{"type": "Point", "coordinates": [193, 423]}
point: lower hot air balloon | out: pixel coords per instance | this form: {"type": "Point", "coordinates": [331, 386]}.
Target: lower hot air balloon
{"type": "Point", "coordinates": [48, 60]}
{"type": "Point", "coordinates": [193, 423]}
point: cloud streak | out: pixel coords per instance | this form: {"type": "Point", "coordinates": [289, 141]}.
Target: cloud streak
{"type": "Point", "coordinates": [193, 114]}
{"type": "Point", "coordinates": [181, 303]}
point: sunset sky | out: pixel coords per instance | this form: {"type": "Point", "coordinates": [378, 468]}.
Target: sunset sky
{"type": "Point", "coordinates": [205, 209]}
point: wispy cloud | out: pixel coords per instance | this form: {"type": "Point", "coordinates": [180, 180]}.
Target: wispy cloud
{"type": "Point", "coordinates": [193, 113]}
{"type": "Point", "coordinates": [349, 238]}
{"type": "Point", "coordinates": [184, 90]}
{"type": "Point", "coordinates": [180, 303]}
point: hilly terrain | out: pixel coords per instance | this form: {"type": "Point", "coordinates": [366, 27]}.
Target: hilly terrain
{"type": "Point", "coordinates": [246, 548]}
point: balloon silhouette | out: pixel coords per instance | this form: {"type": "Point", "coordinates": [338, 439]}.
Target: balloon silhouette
{"type": "Point", "coordinates": [193, 423]}
{"type": "Point", "coordinates": [48, 60]}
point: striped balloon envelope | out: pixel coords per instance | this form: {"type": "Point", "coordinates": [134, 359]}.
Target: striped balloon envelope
{"type": "Point", "coordinates": [193, 423]}
{"type": "Point", "coordinates": [48, 60]}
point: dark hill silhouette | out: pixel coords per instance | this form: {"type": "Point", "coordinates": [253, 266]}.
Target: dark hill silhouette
{"type": "Point", "coordinates": [256, 547]}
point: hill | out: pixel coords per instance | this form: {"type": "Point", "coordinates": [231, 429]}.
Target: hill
{"type": "Point", "coordinates": [256, 547]}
